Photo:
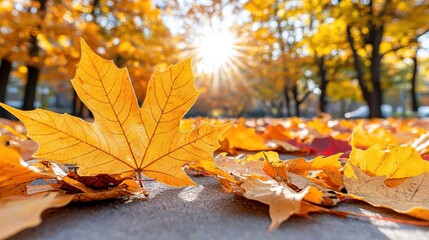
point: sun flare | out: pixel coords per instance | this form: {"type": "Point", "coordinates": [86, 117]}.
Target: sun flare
{"type": "Point", "coordinates": [214, 50]}
{"type": "Point", "coordinates": [219, 58]}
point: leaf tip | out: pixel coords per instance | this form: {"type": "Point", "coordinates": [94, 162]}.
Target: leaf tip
{"type": "Point", "coordinates": [86, 50]}
{"type": "Point", "coordinates": [83, 43]}
{"type": "Point", "coordinates": [10, 109]}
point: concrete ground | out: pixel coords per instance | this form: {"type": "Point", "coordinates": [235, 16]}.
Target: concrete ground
{"type": "Point", "coordinates": [205, 212]}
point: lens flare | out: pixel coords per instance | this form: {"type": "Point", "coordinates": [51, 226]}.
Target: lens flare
{"type": "Point", "coordinates": [214, 50]}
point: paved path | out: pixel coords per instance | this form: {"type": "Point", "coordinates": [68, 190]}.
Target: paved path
{"type": "Point", "coordinates": [205, 212]}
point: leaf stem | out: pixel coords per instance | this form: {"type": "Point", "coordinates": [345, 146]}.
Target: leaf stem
{"type": "Point", "coordinates": [140, 179]}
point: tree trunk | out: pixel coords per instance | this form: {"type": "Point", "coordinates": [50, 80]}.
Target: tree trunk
{"type": "Point", "coordinates": [377, 93]}
{"type": "Point", "coordinates": [287, 101]}
{"type": "Point", "coordinates": [33, 67]}
{"type": "Point", "coordinates": [30, 87]}
{"type": "Point", "coordinates": [414, 102]}
{"type": "Point", "coordinates": [323, 84]}
{"type": "Point", "coordinates": [343, 107]}
{"type": "Point", "coordinates": [5, 69]}
{"type": "Point", "coordinates": [296, 100]}
{"type": "Point", "coordinates": [78, 106]}
{"type": "Point", "coordinates": [358, 68]}
{"type": "Point", "coordinates": [75, 104]}
{"type": "Point", "coordinates": [280, 110]}
{"type": "Point", "coordinates": [95, 5]}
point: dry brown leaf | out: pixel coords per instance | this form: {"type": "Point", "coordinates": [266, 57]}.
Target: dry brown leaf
{"type": "Point", "coordinates": [126, 188]}
{"type": "Point", "coordinates": [242, 165]}
{"type": "Point", "coordinates": [21, 212]}
{"type": "Point", "coordinates": [101, 181]}
{"type": "Point", "coordinates": [317, 194]}
{"type": "Point", "coordinates": [410, 197]}
{"type": "Point", "coordinates": [283, 201]}
{"type": "Point", "coordinates": [92, 188]}
{"type": "Point", "coordinates": [396, 178]}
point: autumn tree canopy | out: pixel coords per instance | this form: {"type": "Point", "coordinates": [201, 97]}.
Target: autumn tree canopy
{"type": "Point", "coordinates": [273, 55]}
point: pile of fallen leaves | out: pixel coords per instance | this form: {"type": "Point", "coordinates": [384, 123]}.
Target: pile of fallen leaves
{"type": "Point", "coordinates": [380, 162]}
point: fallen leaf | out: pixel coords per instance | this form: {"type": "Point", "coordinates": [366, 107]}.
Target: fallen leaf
{"type": "Point", "coordinates": [210, 168]}
{"type": "Point", "coordinates": [410, 197]}
{"type": "Point", "coordinates": [324, 171]}
{"type": "Point", "coordinates": [288, 147]}
{"type": "Point", "coordinates": [26, 148]}
{"type": "Point", "coordinates": [241, 165]}
{"type": "Point", "coordinates": [421, 144]}
{"type": "Point", "coordinates": [101, 181]}
{"type": "Point", "coordinates": [124, 138]}
{"type": "Point", "coordinates": [282, 137]}
{"type": "Point", "coordinates": [7, 127]}
{"type": "Point", "coordinates": [320, 126]}
{"type": "Point", "coordinates": [376, 135]}
{"type": "Point", "coordinates": [82, 193]}
{"type": "Point", "coordinates": [15, 175]}
{"type": "Point", "coordinates": [396, 178]}
{"type": "Point", "coordinates": [396, 162]}
{"type": "Point", "coordinates": [328, 146]}
{"type": "Point", "coordinates": [283, 201]}
{"type": "Point", "coordinates": [21, 212]}
{"type": "Point", "coordinates": [317, 194]}
{"type": "Point", "coordinates": [244, 138]}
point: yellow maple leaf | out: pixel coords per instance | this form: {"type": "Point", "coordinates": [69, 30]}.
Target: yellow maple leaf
{"type": "Point", "coordinates": [125, 138]}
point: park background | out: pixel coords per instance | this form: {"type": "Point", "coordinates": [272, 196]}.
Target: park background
{"type": "Point", "coordinates": [252, 58]}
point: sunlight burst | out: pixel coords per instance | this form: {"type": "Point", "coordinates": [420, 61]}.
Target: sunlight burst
{"type": "Point", "coordinates": [214, 50]}
{"type": "Point", "coordinates": [219, 58]}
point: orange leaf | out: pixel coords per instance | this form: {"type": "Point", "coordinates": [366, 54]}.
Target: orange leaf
{"type": "Point", "coordinates": [15, 176]}
{"type": "Point", "coordinates": [241, 137]}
